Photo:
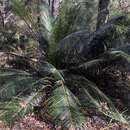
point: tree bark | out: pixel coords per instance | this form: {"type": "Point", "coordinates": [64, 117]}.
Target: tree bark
{"type": "Point", "coordinates": [52, 8]}
{"type": "Point", "coordinates": [103, 12]}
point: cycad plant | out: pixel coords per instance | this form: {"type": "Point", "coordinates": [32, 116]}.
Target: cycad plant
{"type": "Point", "coordinates": [65, 94]}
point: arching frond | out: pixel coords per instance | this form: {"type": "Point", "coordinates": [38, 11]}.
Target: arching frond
{"type": "Point", "coordinates": [36, 28]}
{"type": "Point", "coordinates": [13, 110]}
{"type": "Point", "coordinates": [125, 48]}
{"type": "Point", "coordinates": [103, 103]}
{"type": "Point", "coordinates": [13, 82]}
{"type": "Point", "coordinates": [63, 106]}
{"type": "Point", "coordinates": [20, 10]}
{"type": "Point", "coordinates": [92, 98]}
{"type": "Point", "coordinates": [83, 46]}
{"type": "Point", "coordinates": [19, 93]}
{"type": "Point", "coordinates": [46, 18]}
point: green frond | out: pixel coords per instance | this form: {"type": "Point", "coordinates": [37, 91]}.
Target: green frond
{"type": "Point", "coordinates": [12, 72]}
{"type": "Point", "coordinates": [83, 46]}
{"type": "Point", "coordinates": [90, 68]}
{"type": "Point", "coordinates": [72, 18]}
{"type": "Point", "coordinates": [93, 68]}
{"type": "Point", "coordinates": [94, 64]}
{"type": "Point", "coordinates": [44, 27]}
{"type": "Point", "coordinates": [20, 10]}
{"type": "Point", "coordinates": [19, 93]}
{"type": "Point", "coordinates": [117, 54]}
{"type": "Point", "coordinates": [101, 102]}
{"type": "Point", "coordinates": [125, 48]}
{"type": "Point", "coordinates": [63, 106]}
{"type": "Point", "coordinates": [13, 110]}
{"type": "Point", "coordinates": [14, 82]}
{"type": "Point", "coordinates": [92, 98]}
{"type": "Point", "coordinates": [46, 18]}
{"type": "Point", "coordinates": [49, 68]}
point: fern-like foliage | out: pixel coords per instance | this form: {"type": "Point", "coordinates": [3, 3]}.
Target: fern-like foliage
{"type": "Point", "coordinates": [72, 18]}
{"type": "Point", "coordinates": [102, 102]}
{"type": "Point", "coordinates": [37, 29]}
{"type": "Point", "coordinates": [66, 103]}
{"type": "Point", "coordinates": [19, 92]}
{"type": "Point", "coordinates": [19, 9]}
{"type": "Point", "coordinates": [83, 46]}
{"type": "Point", "coordinates": [63, 105]}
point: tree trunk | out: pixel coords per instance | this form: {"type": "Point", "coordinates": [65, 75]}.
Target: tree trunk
{"type": "Point", "coordinates": [52, 8]}
{"type": "Point", "coordinates": [103, 12]}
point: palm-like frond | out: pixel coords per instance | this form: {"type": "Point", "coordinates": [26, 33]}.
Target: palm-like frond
{"type": "Point", "coordinates": [102, 102]}
{"type": "Point", "coordinates": [14, 82]}
{"type": "Point", "coordinates": [46, 18]}
{"type": "Point", "coordinates": [125, 48]}
{"type": "Point", "coordinates": [19, 9]}
{"type": "Point", "coordinates": [19, 92]}
{"type": "Point", "coordinates": [93, 68]}
{"type": "Point", "coordinates": [36, 29]}
{"type": "Point", "coordinates": [17, 81]}
{"type": "Point", "coordinates": [63, 105]}
{"type": "Point", "coordinates": [82, 46]}
{"type": "Point", "coordinates": [117, 54]}
{"type": "Point", "coordinates": [62, 99]}
{"type": "Point", "coordinates": [92, 98]}
{"type": "Point", "coordinates": [18, 107]}
{"type": "Point", "coordinates": [72, 17]}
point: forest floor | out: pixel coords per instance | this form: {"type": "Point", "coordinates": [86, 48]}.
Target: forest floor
{"type": "Point", "coordinates": [94, 123]}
